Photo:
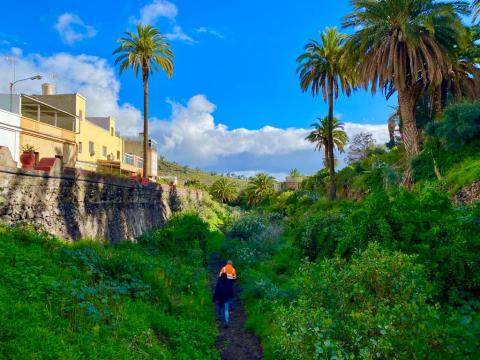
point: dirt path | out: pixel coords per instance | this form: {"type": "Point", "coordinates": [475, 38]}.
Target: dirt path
{"type": "Point", "coordinates": [235, 342]}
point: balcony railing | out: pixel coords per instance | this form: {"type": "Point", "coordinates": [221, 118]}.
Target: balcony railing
{"type": "Point", "coordinates": [133, 160]}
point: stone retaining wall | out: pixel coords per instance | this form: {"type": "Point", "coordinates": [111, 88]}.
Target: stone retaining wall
{"type": "Point", "coordinates": [78, 204]}
{"type": "Point", "coordinates": [469, 194]}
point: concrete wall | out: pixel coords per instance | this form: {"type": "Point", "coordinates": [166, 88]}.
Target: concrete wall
{"type": "Point", "coordinates": [49, 141]}
{"type": "Point", "coordinates": [79, 204]}
{"type": "Point", "coordinates": [10, 133]}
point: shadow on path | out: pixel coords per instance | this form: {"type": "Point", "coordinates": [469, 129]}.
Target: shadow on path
{"type": "Point", "coordinates": [235, 342]}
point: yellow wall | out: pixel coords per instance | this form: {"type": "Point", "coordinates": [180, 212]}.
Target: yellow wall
{"type": "Point", "coordinates": [48, 140]}
{"type": "Point", "coordinates": [100, 137]}
{"type": "Point", "coordinates": [88, 132]}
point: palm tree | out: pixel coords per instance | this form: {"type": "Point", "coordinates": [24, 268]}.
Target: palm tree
{"type": "Point", "coordinates": [319, 136]}
{"type": "Point", "coordinates": [404, 45]}
{"type": "Point", "coordinates": [393, 123]}
{"type": "Point", "coordinates": [224, 190]}
{"type": "Point", "coordinates": [259, 188]}
{"type": "Point", "coordinates": [323, 69]}
{"type": "Point", "coordinates": [463, 80]}
{"type": "Point", "coordinates": [476, 9]}
{"type": "Point", "coordinates": [294, 173]}
{"type": "Point", "coordinates": [148, 51]}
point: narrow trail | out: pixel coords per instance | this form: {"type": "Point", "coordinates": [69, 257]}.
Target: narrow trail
{"type": "Point", "coordinates": [235, 342]}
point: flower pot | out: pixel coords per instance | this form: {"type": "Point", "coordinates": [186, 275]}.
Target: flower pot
{"type": "Point", "coordinates": [28, 160]}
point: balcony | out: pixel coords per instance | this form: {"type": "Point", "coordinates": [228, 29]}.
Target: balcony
{"type": "Point", "coordinates": [44, 113]}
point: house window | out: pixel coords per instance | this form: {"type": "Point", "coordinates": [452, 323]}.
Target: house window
{"type": "Point", "coordinates": [104, 151]}
{"type": "Point", "coordinates": [112, 131]}
{"type": "Point", "coordinates": [91, 147]}
{"type": "Point", "coordinates": [118, 155]}
{"type": "Point", "coordinates": [80, 147]}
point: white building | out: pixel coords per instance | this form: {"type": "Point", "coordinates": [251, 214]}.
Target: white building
{"type": "Point", "coordinates": [10, 129]}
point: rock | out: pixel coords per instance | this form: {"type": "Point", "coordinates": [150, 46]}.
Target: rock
{"type": "Point", "coordinates": [469, 194]}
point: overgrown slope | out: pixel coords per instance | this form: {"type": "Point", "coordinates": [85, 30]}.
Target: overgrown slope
{"type": "Point", "coordinates": [91, 301]}
{"type": "Point", "coordinates": [188, 174]}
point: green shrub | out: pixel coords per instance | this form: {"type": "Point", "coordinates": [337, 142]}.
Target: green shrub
{"type": "Point", "coordinates": [374, 306]}
{"type": "Point", "coordinates": [424, 224]}
{"type": "Point", "coordinates": [318, 235]}
{"type": "Point", "coordinates": [181, 234]}
{"type": "Point", "coordinates": [460, 124]}
{"type": "Point", "coordinates": [247, 227]}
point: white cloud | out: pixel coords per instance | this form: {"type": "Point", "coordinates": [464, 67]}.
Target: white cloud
{"type": "Point", "coordinates": [88, 75]}
{"type": "Point", "coordinates": [157, 9]}
{"type": "Point", "coordinates": [191, 136]}
{"type": "Point", "coordinates": [178, 34]}
{"type": "Point", "coordinates": [72, 29]}
{"type": "Point", "coordinates": [209, 31]}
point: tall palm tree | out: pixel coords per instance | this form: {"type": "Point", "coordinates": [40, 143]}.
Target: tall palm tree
{"type": "Point", "coordinates": [146, 50]}
{"type": "Point", "coordinates": [404, 45]}
{"type": "Point", "coordinates": [224, 190]}
{"type": "Point", "coordinates": [259, 188]}
{"type": "Point", "coordinates": [319, 136]}
{"type": "Point", "coordinates": [323, 69]}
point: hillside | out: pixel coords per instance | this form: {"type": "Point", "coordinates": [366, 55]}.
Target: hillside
{"type": "Point", "coordinates": [186, 173]}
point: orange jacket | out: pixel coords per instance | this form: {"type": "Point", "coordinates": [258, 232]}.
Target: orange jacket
{"type": "Point", "coordinates": [230, 271]}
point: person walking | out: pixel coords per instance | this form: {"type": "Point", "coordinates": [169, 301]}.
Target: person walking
{"type": "Point", "coordinates": [223, 296]}
{"type": "Point", "coordinates": [230, 271]}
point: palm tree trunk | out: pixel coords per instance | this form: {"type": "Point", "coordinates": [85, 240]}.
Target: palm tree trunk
{"type": "Point", "coordinates": [331, 160]}
{"type": "Point", "coordinates": [146, 153]}
{"type": "Point", "coordinates": [326, 162]}
{"type": "Point", "coordinates": [407, 103]}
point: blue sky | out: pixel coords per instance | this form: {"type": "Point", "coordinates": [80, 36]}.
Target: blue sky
{"type": "Point", "coordinates": [235, 66]}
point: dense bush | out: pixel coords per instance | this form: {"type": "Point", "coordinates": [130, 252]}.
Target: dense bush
{"type": "Point", "coordinates": [248, 226]}
{"type": "Point", "coordinates": [446, 239]}
{"type": "Point", "coordinates": [374, 306]}
{"type": "Point", "coordinates": [318, 235]}
{"type": "Point", "coordinates": [459, 126]}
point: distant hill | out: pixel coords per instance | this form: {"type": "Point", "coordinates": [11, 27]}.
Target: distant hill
{"type": "Point", "coordinates": [186, 173]}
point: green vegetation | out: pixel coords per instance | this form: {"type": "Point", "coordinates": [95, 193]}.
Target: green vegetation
{"type": "Point", "coordinates": [383, 271]}
{"type": "Point", "coordinates": [393, 275]}
{"type": "Point", "coordinates": [87, 300]}
{"type": "Point", "coordinates": [224, 190]}
{"type": "Point", "coordinates": [186, 173]}
{"type": "Point", "coordinates": [259, 188]}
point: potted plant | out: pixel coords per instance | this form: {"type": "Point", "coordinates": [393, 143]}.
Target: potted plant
{"type": "Point", "coordinates": [28, 157]}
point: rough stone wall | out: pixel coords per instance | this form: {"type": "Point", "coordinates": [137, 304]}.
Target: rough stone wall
{"type": "Point", "coordinates": [78, 204]}
{"type": "Point", "coordinates": [469, 194]}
